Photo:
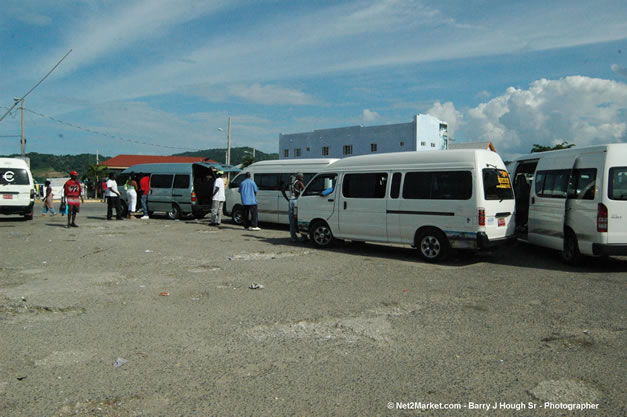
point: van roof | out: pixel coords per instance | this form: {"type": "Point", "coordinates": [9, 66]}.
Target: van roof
{"type": "Point", "coordinates": [611, 147]}
{"type": "Point", "coordinates": [176, 168]}
{"type": "Point", "coordinates": [440, 157]}
{"type": "Point", "coordinates": [13, 163]}
{"type": "Point", "coordinates": [294, 162]}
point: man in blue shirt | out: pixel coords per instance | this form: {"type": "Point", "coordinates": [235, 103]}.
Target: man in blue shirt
{"type": "Point", "coordinates": [248, 190]}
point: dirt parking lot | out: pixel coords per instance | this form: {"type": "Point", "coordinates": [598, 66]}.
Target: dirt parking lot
{"type": "Point", "coordinates": [352, 331]}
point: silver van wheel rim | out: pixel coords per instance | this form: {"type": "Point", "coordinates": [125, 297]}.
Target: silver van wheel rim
{"type": "Point", "coordinates": [322, 235]}
{"type": "Point", "coordinates": [430, 247]}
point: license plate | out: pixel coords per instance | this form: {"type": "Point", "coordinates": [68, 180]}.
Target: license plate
{"type": "Point", "coordinates": [7, 196]}
{"type": "Point", "coordinates": [501, 221]}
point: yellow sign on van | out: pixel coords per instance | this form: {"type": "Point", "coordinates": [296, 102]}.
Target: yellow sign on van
{"type": "Point", "coordinates": [503, 180]}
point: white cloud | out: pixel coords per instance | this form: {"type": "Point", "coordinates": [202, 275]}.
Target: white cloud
{"type": "Point", "coordinates": [619, 70]}
{"type": "Point", "coordinates": [369, 116]}
{"type": "Point", "coordinates": [447, 113]}
{"type": "Point", "coordinates": [577, 109]}
{"type": "Point", "coordinates": [271, 95]}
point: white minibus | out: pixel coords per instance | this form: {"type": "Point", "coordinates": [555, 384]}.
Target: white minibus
{"type": "Point", "coordinates": [435, 201]}
{"type": "Point", "coordinates": [573, 200]}
{"type": "Point", "coordinates": [17, 190]}
{"type": "Point", "coordinates": [270, 177]}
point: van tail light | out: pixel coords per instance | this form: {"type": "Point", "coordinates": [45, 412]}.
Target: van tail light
{"type": "Point", "coordinates": [601, 218]}
{"type": "Point", "coordinates": [481, 216]}
{"type": "Point", "coordinates": [193, 196]}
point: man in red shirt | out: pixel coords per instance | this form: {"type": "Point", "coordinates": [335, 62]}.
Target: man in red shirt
{"type": "Point", "coordinates": [144, 184]}
{"type": "Point", "coordinates": [73, 197]}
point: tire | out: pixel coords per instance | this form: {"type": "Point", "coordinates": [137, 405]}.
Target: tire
{"type": "Point", "coordinates": [28, 216]}
{"type": "Point", "coordinates": [175, 212]}
{"type": "Point", "coordinates": [321, 234]}
{"type": "Point", "coordinates": [199, 215]}
{"type": "Point", "coordinates": [432, 245]}
{"type": "Point", "coordinates": [570, 253]}
{"type": "Point", "coordinates": [238, 215]}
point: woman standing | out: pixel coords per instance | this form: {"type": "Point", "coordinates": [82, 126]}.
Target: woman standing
{"type": "Point", "coordinates": [131, 193]}
{"type": "Point", "coordinates": [48, 206]}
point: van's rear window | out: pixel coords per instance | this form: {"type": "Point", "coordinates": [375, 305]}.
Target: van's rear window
{"type": "Point", "coordinates": [14, 176]}
{"type": "Point", "coordinates": [618, 184]}
{"type": "Point", "coordinates": [496, 184]}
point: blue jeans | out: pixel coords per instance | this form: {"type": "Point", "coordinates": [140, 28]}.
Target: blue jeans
{"type": "Point", "coordinates": [290, 213]}
{"type": "Point", "coordinates": [143, 200]}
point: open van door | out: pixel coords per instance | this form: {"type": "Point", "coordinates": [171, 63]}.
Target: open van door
{"type": "Point", "coordinates": [548, 203]}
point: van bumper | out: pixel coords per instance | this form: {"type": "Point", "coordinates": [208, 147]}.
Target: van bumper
{"type": "Point", "coordinates": [483, 242]}
{"type": "Point", "coordinates": [17, 209]}
{"type": "Point", "coordinates": [599, 249]}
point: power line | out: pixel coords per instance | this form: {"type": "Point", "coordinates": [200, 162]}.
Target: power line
{"type": "Point", "coordinates": [89, 130]}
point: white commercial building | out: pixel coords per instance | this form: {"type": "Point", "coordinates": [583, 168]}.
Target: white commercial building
{"type": "Point", "coordinates": [424, 133]}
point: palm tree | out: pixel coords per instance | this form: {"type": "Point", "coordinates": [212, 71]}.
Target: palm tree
{"type": "Point", "coordinates": [97, 172]}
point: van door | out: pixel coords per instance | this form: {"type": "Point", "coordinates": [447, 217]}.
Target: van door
{"type": "Point", "coordinates": [160, 196]}
{"type": "Point", "coordinates": [268, 197]}
{"type": "Point", "coordinates": [547, 207]}
{"type": "Point", "coordinates": [362, 210]}
{"type": "Point", "coordinates": [181, 193]}
{"type": "Point", "coordinates": [318, 201]}
{"type": "Point", "coordinates": [393, 210]}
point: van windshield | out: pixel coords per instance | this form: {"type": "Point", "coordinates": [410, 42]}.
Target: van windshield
{"type": "Point", "coordinates": [496, 184]}
{"type": "Point", "coordinates": [618, 184]}
{"type": "Point", "coordinates": [14, 176]}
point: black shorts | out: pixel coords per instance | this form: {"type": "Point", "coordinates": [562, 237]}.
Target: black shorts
{"type": "Point", "coordinates": [73, 209]}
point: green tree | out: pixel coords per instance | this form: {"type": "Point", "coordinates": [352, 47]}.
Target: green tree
{"type": "Point", "coordinates": [97, 172]}
{"type": "Point", "coordinates": [541, 148]}
{"type": "Point", "coordinates": [247, 159]}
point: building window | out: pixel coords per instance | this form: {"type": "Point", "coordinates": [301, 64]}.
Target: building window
{"type": "Point", "coordinates": [432, 145]}
{"type": "Point", "coordinates": [286, 153]}
{"type": "Point", "coordinates": [348, 149]}
{"type": "Point", "coordinates": [297, 152]}
{"type": "Point", "coordinates": [307, 149]}
{"type": "Point", "coordinates": [373, 147]}
{"type": "Point", "coordinates": [325, 151]}
{"type": "Point", "coordinates": [402, 143]}
{"type": "Point", "coordinates": [423, 143]}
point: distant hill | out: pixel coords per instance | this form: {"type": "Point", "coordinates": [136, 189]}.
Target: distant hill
{"type": "Point", "coordinates": [44, 165]}
{"type": "Point", "coordinates": [237, 154]}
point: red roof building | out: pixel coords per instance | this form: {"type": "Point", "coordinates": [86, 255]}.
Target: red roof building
{"type": "Point", "coordinates": [122, 162]}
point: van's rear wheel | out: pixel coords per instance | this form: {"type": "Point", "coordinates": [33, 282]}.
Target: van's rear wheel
{"type": "Point", "coordinates": [432, 245]}
{"type": "Point", "coordinates": [570, 253]}
{"type": "Point", "coordinates": [175, 212]}
{"type": "Point", "coordinates": [238, 215]}
{"type": "Point", "coordinates": [28, 216]}
{"type": "Point", "coordinates": [321, 234]}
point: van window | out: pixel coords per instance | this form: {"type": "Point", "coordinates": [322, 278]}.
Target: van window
{"type": "Point", "coordinates": [14, 176]}
{"type": "Point", "coordinates": [618, 184]}
{"type": "Point", "coordinates": [496, 184]}
{"type": "Point", "coordinates": [582, 183]}
{"type": "Point", "coordinates": [181, 181]}
{"type": "Point", "coordinates": [552, 184]}
{"type": "Point", "coordinates": [237, 181]}
{"type": "Point", "coordinates": [372, 185]}
{"type": "Point", "coordinates": [441, 185]}
{"type": "Point", "coordinates": [320, 183]}
{"type": "Point", "coordinates": [267, 181]}
{"type": "Point", "coordinates": [121, 179]}
{"type": "Point", "coordinates": [396, 185]}
{"type": "Point", "coordinates": [161, 181]}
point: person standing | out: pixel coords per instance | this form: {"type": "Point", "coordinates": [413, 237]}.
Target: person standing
{"type": "Point", "coordinates": [48, 204]}
{"type": "Point", "coordinates": [291, 191]}
{"type": "Point", "coordinates": [131, 193]}
{"type": "Point", "coordinates": [144, 185]}
{"type": "Point", "coordinates": [217, 201]}
{"type": "Point", "coordinates": [113, 198]}
{"type": "Point", "coordinates": [72, 191]}
{"type": "Point", "coordinates": [248, 191]}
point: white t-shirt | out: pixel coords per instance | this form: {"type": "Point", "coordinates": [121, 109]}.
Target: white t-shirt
{"type": "Point", "coordinates": [112, 185]}
{"type": "Point", "coordinates": [219, 186]}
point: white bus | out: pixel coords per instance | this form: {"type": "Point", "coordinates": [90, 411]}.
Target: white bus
{"type": "Point", "coordinates": [17, 190]}
{"type": "Point", "coordinates": [435, 201]}
{"type": "Point", "coordinates": [573, 200]}
{"type": "Point", "coordinates": [270, 177]}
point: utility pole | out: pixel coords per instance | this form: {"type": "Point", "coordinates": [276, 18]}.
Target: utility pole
{"type": "Point", "coordinates": [228, 144]}
{"type": "Point", "coordinates": [23, 139]}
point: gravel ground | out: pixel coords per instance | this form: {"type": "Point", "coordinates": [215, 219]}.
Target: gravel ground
{"type": "Point", "coordinates": [351, 331]}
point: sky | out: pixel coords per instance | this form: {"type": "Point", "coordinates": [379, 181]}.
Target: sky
{"type": "Point", "coordinates": [159, 77]}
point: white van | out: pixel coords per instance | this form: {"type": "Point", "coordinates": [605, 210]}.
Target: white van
{"type": "Point", "coordinates": [17, 190]}
{"type": "Point", "coordinates": [270, 177]}
{"type": "Point", "coordinates": [573, 200]}
{"type": "Point", "coordinates": [434, 201]}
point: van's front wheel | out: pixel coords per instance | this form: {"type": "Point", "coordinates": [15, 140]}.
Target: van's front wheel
{"type": "Point", "coordinates": [238, 215]}
{"type": "Point", "coordinates": [175, 212]}
{"type": "Point", "coordinates": [321, 234]}
{"type": "Point", "coordinates": [432, 245]}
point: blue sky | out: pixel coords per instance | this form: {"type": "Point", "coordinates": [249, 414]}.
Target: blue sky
{"type": "Point", "coordinates": [162, 76]}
